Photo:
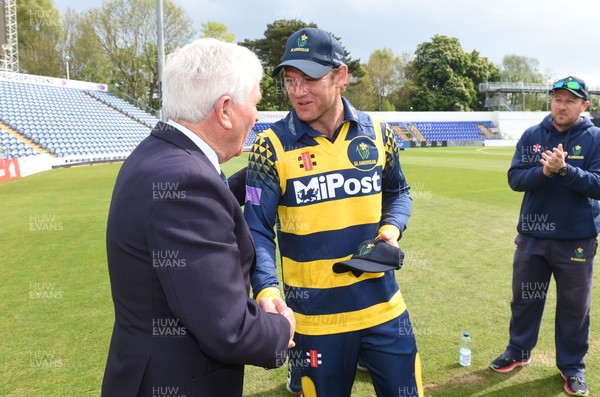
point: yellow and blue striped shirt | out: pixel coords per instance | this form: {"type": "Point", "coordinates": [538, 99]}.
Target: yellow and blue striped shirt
{"type": "Point", "coordinates": [323, 198]}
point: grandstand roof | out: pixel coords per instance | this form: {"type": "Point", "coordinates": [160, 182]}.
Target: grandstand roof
{"type": "Point", "coordinates": [521, 87]}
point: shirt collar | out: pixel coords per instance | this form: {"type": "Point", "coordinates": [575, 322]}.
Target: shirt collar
{"type": "Point", "coordinates": [300, 128]}
{"type": "Point", "coordinates": [207, 150]}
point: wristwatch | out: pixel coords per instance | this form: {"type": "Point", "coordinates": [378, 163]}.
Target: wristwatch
{"type": "Point", "coordinates": [563, 171]}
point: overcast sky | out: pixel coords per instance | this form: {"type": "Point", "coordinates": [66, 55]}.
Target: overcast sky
{"type": "Point", "coordinates": [562, 35]}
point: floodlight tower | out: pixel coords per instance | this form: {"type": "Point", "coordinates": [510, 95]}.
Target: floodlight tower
{"type": "Point", "coordinates": [8, 36]}
{"type": "Point", "coordinates": [161, 52]}
{"type": "Point", "coordinates": [4, 57]}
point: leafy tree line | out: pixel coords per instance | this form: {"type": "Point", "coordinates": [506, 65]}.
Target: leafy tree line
{"type": "Point", "coordinates": [116, 44]}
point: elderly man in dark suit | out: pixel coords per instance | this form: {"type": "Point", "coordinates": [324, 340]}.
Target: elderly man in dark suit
{"type": "Point", "coordinates": [180, 254]}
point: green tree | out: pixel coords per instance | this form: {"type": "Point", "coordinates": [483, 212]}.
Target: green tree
{"type": "Point", "coordinates": [402, 97]}
{"type": "Point", "coordinates": [360, 91]}
{"type": "Point", "coordinates": [126, 32]}
{"type": "Point", "coordinates": [384, 71]}
{"type": "Point", "coordinates": [217, 31]}
{"type": "Point", "coordinates": [40, 38]}
{"type": "Point", "coordinates": [88, 61]}
{"type": "Point", "coordinates": [481, 70]}
{"type": "Point", "coordinates": [402, 94]}
{"type": "Point", "coordinates": [440, 68]}
{"type": "Point", "coordinates": [522, 69]}
{"type": "Point", "coordinates": [446, 78]}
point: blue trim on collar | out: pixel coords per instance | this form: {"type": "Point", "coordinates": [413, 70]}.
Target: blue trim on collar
{"type": "Point", "coordinates": [298, 128]}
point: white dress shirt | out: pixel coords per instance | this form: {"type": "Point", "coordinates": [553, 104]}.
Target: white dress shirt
{"type": "Point", "coordinates": [207, 150]}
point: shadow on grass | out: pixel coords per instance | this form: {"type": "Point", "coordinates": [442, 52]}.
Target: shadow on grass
{"type": "Point", "coordinates": [473, 383]}
{"type": "Point", "coordinates": [280, 390]}
{"type": "Point", "coordinates": [477, 382]}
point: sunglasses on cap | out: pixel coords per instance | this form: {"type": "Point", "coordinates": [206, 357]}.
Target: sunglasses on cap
{"type": "Point", "coordinates": [571, 85]}
{"type": "Point", "coordinates": [567, 84]}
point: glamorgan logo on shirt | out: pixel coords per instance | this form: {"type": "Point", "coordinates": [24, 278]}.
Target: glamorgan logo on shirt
{"type": "Point", "coordinates": [363, 153]}
{"type": "Point", "coordinates": [576, 153]}
{"type": "Point", "coordinates": [335, 185]}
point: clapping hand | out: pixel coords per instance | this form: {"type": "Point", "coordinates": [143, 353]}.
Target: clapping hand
{"type": "Point", "coordinates": [553, 160]}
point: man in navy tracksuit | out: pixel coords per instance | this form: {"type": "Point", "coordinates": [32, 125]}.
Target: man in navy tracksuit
{"type": "Point", "coordinates": [557, 165]}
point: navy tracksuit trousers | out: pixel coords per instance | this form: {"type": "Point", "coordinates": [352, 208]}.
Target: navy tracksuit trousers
{"type": "Point", "coordinates": [571, 264]}
{"type": "Point", "coordinates": [326, 364]}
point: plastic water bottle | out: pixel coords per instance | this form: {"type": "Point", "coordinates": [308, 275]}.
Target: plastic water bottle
{"type": "Point", "coordinates": [465, 350]}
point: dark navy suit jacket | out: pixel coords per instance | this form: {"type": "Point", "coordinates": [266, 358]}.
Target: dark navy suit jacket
{"type": "Point", "coordinates": [180, 257]}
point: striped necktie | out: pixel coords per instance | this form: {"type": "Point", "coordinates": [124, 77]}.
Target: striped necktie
{"type": "Point", "coordinates": [224, 178]}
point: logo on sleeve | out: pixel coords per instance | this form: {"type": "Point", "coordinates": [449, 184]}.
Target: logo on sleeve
{"type": "Point", "coordinates": [253, 195]}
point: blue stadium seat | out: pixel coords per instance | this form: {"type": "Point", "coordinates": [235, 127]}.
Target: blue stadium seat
{"type": "Point", "coordinates": [68, 121]}
{"type": "Point", "coordinates": [450, 130]}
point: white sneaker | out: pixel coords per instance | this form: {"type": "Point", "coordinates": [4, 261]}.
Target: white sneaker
{"type": "Point", "coordinates": [361, 367]}
{"type": "Point", "coordinates": [288, 385]}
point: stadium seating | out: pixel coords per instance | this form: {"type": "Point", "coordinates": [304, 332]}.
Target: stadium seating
{"type": "Point", "coordinates": [12, 147]}
{"type": "Point", "coordinates": [452, 130]}
{"type": "Point", "coordinates": [429, 131]}
{"type": "Point", "coordinates": [83, 124]}
{"type": "Point", "coordinates": [91, 125]}
{"type": "Point", "coordinates": [125, 107]}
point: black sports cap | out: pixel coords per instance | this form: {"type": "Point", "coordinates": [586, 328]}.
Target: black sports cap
{"type": "Point", "coordinates": [372, 256]}
{"type": "Point", "coordinates": [572, 84]}
{"type": "Point", "coordinates": [313, 51]}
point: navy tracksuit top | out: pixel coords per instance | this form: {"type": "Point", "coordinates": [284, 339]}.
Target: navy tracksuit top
{"type": "Point", "coordinates": [558, 207]}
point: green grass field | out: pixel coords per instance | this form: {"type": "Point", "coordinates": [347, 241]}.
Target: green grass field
{"type": "Point", "coordinates": [57, 312]}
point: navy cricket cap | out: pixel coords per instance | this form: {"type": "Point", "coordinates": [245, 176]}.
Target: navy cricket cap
{"type": "Point", "coordinates": [372, 256]}
{"type": "Point", "coordinates": [572, 84]}
{"type": "Point", "coordinates": [312, 51]}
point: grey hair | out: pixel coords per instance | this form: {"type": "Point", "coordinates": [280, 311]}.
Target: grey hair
{"type": "Point", "coordinates": [196, 75]}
